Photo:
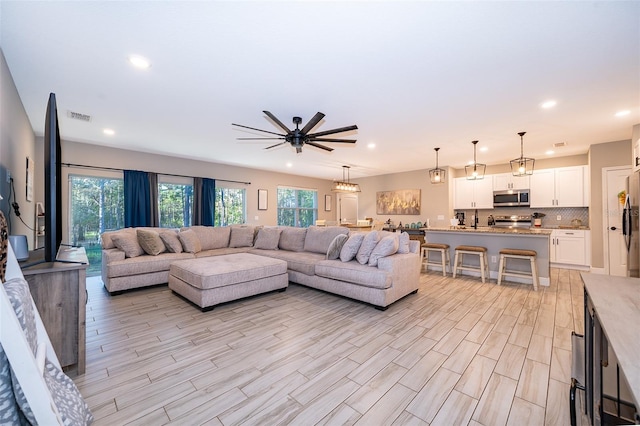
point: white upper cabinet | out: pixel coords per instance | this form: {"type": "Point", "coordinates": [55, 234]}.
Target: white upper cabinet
{"type": "Point", "coordinates": [473, 194]}
{"type": "Point", "coordinates": [561, 187]}
{"type": "Point", "coordinates": [507, 181]}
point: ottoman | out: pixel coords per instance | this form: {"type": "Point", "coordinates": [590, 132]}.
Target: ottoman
{"type": "Point", "coordinates": [209, 281]}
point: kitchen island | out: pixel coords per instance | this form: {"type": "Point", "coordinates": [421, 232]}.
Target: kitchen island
{"type": "Point", "coordinates": [496, 239]}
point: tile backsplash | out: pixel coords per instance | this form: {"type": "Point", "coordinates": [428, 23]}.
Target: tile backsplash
{"type": "Point", "coordinates": [567, 214]}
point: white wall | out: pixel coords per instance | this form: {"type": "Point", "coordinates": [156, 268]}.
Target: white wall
{"type": "Point", "coordinates": [16, 144]}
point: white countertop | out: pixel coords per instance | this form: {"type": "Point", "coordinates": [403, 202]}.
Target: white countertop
{"type": "Point", "coordinates": [616, 301]}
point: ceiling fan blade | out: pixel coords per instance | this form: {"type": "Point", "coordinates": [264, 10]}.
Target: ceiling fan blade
{"type": "Point", "coordinates": [259, 130]}
{"type": "Point", "coordinates": [278, 122]}
{"type": "Point", "coordinates": [317, 145]}
{"type": "Point", "coordinates": [313, 122]}
{"type": "Point", "coordinates": [278, 144]}
{"type": "Point", "coordinates": [330, 132]}
{"type": "Point", "coordinates": [332, 140]}
{"type": "Point", "coordinates": [259, 139]}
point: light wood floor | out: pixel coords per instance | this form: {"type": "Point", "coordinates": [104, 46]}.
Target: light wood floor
{"type": "Point", "coordinates": [457, 352]}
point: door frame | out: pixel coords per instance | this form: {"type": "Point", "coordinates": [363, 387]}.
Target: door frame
{"type": "Point", "coordinates": [605, 220]}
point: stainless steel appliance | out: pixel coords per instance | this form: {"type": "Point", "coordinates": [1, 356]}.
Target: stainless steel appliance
{"type": "Point", "coordinates": [630, 228]}
{"type": "Point", "coordinates": [511, 198]}
{"type": "Point", "coordinates": [513, 221]}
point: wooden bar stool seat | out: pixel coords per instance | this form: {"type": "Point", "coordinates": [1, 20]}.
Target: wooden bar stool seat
{"type": "Point", "coordinates": [444, 260]}
{"type": "Point", "coordinates": [481, 252]}
{"type": "Point", "coordinates": [509, 253]}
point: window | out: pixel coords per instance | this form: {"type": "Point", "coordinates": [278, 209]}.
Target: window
{"type": "Point", "coordinates": [297, 207]}
{"type": "Point", "coordinates": [175, 203]}
{"type": "Point", "coordinates": [230, 206]}
{"type": "Point", "coordinates": [97, 205]}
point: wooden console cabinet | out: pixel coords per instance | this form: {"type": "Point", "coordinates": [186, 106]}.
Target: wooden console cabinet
{"type": "Point", "coordinates": [59, 292]}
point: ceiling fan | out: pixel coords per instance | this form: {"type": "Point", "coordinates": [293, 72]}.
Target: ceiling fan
{"type": "Point", "coordinates": [299, 137]}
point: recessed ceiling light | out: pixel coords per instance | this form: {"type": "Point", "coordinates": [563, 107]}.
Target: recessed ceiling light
{"type": "Point", "coordinates": [548, 104]}
{"type": "Point", "coordinates": [484, 149]}
{"type": "Point", "coordinates": [289, 165]}
{"type": "Point", "coordinates": [371, 145]}
{"type": "Point", "coordinates": [139, 62]}
{"type": "Point", "coordinates": [109, 132]}
{"type": "Point", "coordinates": [470, 162]}
{"type": "Point", "coordinates": [550, 152]}
{"type": "Point", "coordinates": [623, 113]}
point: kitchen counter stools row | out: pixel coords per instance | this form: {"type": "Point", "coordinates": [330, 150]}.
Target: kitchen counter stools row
{"type": "Point", "coordinates": [483, 264]}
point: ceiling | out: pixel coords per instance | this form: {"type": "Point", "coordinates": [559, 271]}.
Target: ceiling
{"type": "Point", "coordinates": [412, 75]}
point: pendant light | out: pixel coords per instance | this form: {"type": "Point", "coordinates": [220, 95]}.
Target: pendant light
{"type": "Point", "coordinates": [476, 170]}
{"type": "Point", "coordinates": [437, 175]}
{"type": "Point", "coordinates": [344, 185]}
{"type": "Point", "coordinates": [522, 166]}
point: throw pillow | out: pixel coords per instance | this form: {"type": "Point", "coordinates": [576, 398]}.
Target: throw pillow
{"type": "Point", "coordinates": [335, 248]}
{"type": "Point", "coordinates": [368, 244]}
{"type": "Point", "coordinates": [4, 246]}
{"type": "Point", "coordinates": [268, 239]}
{"type": "Point", "coordinates": [171, 241]}
{"type": "Point", "coordinates": [351, 247]}
{"type": "Point", "coordinates": [385, 247]}
{"type": "Point", "coordinates": [292, 239]}
{"type": "Point", "coordinates": [241, 236]}
{"type": "Point", "coordinates": [127, 242]}
{"type": "Point", "coordinates": [150, 242]}
{"type": "Point", "coordinates": [190, 241]}
{"type": "Point", "coordinates": [20, 297]}
{"type": "Point", "coordinates": [319, 237]}
{"type": "Point", "coordinates": [403, 243]}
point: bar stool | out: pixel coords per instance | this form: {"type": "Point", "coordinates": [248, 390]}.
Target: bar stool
{"type": "Point", "coordinates": [529, 255]}
{"type": "Point", "coordinates": [445, 258]}
{"type": "Point", "coordinates": [479, 251]}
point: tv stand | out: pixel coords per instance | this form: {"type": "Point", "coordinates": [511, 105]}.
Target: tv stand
{"type": "Point", "coordinates": [59, 292]}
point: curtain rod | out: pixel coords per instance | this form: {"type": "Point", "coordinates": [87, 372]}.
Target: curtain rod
{"type": "Point", "coordinates": [121, 170]}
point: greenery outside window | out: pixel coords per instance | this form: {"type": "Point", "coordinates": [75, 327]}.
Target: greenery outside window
{"type": "Point", "coordinates": [297, 207]}
{"type": "Point", "coordinates": [175, 202]}
{"type": "Point", "coordinates": [96, 206]}
{"type": "Point", "coordinates": [230, 206]}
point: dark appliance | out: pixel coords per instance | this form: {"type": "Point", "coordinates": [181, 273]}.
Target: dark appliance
{"type": "Point", "coordinates": [511, 198]}
{"type": "Point", "coordinates": [460, 217]}
{"type": "Point", "coordinates": [513, 221]}
{"type": "Point", "coordinates": [630, 228]}
{"type": "Point", "coordinates": [491, 221]}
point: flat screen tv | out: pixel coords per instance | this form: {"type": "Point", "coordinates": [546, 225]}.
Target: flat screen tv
{"type": "Point", "coordinates": [52, 182]}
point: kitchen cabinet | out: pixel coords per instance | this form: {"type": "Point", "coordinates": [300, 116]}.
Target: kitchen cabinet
{"type": "Point", "coordinates": [507, 181]}
{"type": "Point", "coordinates": [473, 194]}
{"type": "Point", "coordinates": [561, 187]}
{"type": "Point", "coordinates": [570, 247]}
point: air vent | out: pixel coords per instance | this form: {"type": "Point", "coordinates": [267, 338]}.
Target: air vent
{"type": "Point", "coordinates": [559, 144]}
{"type": "Point", "coordinates": [78, 116]}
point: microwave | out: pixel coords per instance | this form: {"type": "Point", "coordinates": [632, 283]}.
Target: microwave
{"type": "Point", "coordinates": [511, 198]}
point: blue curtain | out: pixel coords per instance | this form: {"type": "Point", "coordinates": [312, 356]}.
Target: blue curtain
{"type": "Point", "coordinates": [137, 199]}
{"type": "Point", "coordinates": [208, 201]}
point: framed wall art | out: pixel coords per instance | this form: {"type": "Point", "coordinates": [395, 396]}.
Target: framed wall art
{"type": "Point", "coordinates": [327, 203]}
{"type": "Point", "coordinates": [262, 199]}
{"type": "Point", "coordinates": [401, 201]}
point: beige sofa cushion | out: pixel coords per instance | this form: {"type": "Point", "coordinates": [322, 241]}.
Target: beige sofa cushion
{"type": "Point", "coordinates": [368, 244]}
{"type": "Point", "coordinates": [150, 242]}
{"type": "Point", "coordinates": [351, 246]}
{"type": "Point", "coordinates": [268, 238]}
{"type": "Point", "coordinates": [171, 241]}
{"type": "Point", "coordinates": [355, 273]}
{"type": "Point", "coordinates": [107, 237]}
{"type": "Point", "coordinates": [385, 247]}
{"type": "Point", "coordinates": [128, 243]}
{"type": "Point", "coordinates": [319, 238]}
{"type": "Point", "coordinates": [292, 239]}
{"type": "Point", "coordinates": [211, 237]}
{"type": "Point", "coordinates": [298, 261]}
{"type": "Point", "coordinates": [241, 236]}
{"type": "Point", "coordinates": [190, 241]}
{"type": "Point", "coordinates": [144, 265]}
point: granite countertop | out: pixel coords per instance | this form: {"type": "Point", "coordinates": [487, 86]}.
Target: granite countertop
{"type": "Point", "coordinates": [491, 230]}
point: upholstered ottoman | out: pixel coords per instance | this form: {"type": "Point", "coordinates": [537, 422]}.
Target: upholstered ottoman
{"type": "Point", "coordinates": [209, 281]}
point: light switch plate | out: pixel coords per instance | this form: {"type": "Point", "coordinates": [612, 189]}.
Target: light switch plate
{"type": "Point", "coordinates": [558, 217]}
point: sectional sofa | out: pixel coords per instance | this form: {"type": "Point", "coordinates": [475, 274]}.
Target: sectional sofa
{"type": "Point", "coordinates": [375, 267]}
